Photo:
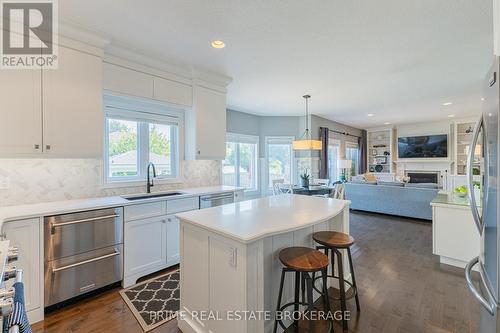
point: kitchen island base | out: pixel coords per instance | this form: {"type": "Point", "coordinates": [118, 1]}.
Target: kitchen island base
{"type": "Point", "coordinates": [225, 281]}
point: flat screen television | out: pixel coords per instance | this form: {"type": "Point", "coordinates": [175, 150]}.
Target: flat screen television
{"type": "Point", "coordinates": [427, 146]}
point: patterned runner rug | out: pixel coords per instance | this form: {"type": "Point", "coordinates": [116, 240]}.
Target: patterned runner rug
{"type": "Point", "coordinates": [154, 302]}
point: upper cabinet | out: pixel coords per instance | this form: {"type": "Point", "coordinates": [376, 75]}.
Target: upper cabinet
{"type": "Point", "coordinates": [131, 82]}
{"type": "Point", "coordinates": [206, 124]}
{"type": "Point", "coordinates": [72, 106]}
{"type": "Point", "coordinates": [127, 81]}
{"type": "Point", "coordinates": [204, 103]}
{"type": "Point", "coordinates": [55, 112]}
{"type": "Point", "coordinates": [173, 92]}
{"type": "Point", "coordinates": [20, 112]}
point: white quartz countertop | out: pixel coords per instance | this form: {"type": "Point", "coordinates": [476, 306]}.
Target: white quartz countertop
{"type": "Point", "coordinates": [18, 212]}
{"type": "Point", "coordinates": [251, 220]}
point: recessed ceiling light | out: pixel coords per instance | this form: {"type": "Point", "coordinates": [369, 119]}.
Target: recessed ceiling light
{"type": "Point", "coordinates": [218, 44]}
{"type": "Point", "coordinates": [370, 115]}
{"type": "Point", "coordinates": [387, 123]}
{"type": "Point", "coordinates": [451, 116]}
{"type": "Point", "coordinates": [447, 103]}
{"type": "Point", "coordinates": [482, 99]}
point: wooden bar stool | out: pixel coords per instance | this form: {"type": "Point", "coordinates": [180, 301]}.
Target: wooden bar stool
{"type": "Point", "coordinates": [336, 241]}
{"type": "Point", "coordinates": [302, 261]}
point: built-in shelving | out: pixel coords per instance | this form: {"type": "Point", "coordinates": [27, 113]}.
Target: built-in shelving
{"type": "Point", "coordinates": [380, 150]}
{"type": "Point", "coordinates": [463, 137]}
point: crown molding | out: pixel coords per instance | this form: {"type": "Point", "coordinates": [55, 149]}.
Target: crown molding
{"type": "Point", "coordinates": [83, 35]}
{"type": "Point", "coordinates": [126, 55]}
{"type": "Point", "coordinates": [116, 51]}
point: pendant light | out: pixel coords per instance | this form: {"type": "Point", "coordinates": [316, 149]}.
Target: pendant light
{"type": "Point", "coordinates": [305, 142]}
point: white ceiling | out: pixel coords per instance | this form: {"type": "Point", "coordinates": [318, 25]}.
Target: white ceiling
{"type": "Point", "coordinates": [398, 59]}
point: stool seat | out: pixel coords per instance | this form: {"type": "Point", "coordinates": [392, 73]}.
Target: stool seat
{"type": "Point", "coordinates": [303, 259]}
{"type": "Point", "coordinates": [333, 239]}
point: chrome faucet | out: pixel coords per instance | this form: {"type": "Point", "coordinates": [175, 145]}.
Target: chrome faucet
{"type": "Point", "coordinates": [150, 180]}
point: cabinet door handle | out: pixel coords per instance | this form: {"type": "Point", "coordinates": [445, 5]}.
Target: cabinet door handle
{"type": "Point", "coordinates": [47, 147]}
{"type": "Point", "coordinates": [37, 146]}
{"type": "Point", "coordinates": [116, 253]}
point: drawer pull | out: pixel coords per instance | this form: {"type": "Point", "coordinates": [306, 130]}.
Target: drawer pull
{"type": "Point", "coordinates": [62, 224]}
{"type": "Point", "coordinates": [116, 253]}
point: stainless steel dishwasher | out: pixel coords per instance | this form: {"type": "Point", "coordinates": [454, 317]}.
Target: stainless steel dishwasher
{"type": "Point", "coordinates": [212, 200]}
{"type": "Point", "coordinates": [83, 252]}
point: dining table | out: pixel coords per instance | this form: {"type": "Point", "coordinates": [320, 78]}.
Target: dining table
{"type": "Point", "coordinates": [312, 189]}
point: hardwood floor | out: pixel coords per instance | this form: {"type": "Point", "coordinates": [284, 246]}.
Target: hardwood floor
{"type": "Point", "coordinates": [402, 288]}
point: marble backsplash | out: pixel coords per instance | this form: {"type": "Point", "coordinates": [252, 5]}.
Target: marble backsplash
{"type": "Point", "coordinates": [41, 180]}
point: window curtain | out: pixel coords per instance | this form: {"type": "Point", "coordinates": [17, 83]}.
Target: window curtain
{"type": "Point", "coordinates": [323, 159]}
{"type": "Point", "coordinates": [362, 158]}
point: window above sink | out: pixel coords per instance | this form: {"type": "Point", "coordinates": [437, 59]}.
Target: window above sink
{"type": "Point", "coordinates": [136, 133]}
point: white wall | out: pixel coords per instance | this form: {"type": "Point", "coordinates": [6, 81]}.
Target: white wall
{"type": "Point", "coordinates": [443, 127]}
{"type": "Point", "coordinates": [39, 180]}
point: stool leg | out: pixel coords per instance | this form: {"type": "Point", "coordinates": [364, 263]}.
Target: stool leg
{"type": "Point", "coordinates": [325, 290]}
{"type": "Point", "coordinates": [342, 289]}
{"type": "Point", "coordinates": [310, 300]}
{"type": "Point", "coordinates": [303, 280]}
{"type": "Point", "coordinates": [332, 259]}
{"type": "Point", "coordinates": [353, 278]}
{"type": "Point", "coordinates": [279, 299]}
{"type": "Point", "coordinates": [297, 291]}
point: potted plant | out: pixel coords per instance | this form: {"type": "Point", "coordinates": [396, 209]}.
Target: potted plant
{"type": "Point", "coordinates": [304, 179]}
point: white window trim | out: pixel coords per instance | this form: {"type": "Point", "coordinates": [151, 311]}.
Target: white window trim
{"type": "Point", "coordinates": [126, 108]}
{"type": "Point", "coordinates": [338, 143]}
{"type": "Point", "coordinates": [349, 144]}
{"type": "Point", "coordinates": [252, 139]}
{"type": "Point", "coordinates": [278, 140]}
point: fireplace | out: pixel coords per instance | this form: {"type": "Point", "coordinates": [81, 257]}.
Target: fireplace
{"type": "Point", "coordinates": [423, 177]}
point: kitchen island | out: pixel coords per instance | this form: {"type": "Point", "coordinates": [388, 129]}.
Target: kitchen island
{"type": "Point", "coordinates": [229, 258]}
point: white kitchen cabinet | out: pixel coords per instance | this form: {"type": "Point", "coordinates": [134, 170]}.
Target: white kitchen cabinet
{"type": "Point", "coordinates": [173, 240]}
{"type": "Point", "coordinates": [72, 106]}
{"type": "Point", "coordinates": [206, 125]}
{"type": "Point", "coordinates": [53, 112]}
{"type": "Point", "coordinates": [25, 234]}
{"type": "Point", "coordinates": [127, 81]}
{"type": "Point", "coordinates": [455, 238]}
{"type": "Point", "coordinates": [145, 249]}
{"type": "Point", "coordinates": [131, 82]}
{"type": "Point", "coordinates": [20, 112]}
{"type": "Point", "coordinates": [172, 92]}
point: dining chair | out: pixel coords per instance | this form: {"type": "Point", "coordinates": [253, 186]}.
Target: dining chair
{"type": "Point", "coordinates": [338, 192]}
{"type": "Point", "coordinates": [279, 187]}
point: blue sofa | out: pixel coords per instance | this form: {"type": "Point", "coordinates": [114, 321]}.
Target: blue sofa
{"type": "Point", "coordinates": [409, 201]}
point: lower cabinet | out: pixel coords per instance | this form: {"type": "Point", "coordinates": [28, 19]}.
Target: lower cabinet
{"type": "Point", "coordinates": [152, 236]}
{"type": "Point", "coordinates": [173, 240]}
{"type": "Point", "coordinates": [25, 234]}
{"type": "Point", "coordinates": [455, 237]}
{"type": "Point", "coordinates": [145, 248]}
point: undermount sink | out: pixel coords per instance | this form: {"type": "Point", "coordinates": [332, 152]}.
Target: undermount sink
{"type": "Point", "coordinates": [152, 195]}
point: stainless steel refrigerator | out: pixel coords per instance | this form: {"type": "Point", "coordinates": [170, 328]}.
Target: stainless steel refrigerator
{"type": "Point", "coordinates": [485, 208]}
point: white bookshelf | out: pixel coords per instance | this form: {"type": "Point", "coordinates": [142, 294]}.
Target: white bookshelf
{"type": "Point", "coordinates": [463, 136]}
{"type": "Point", "coordinates": [380, 152]}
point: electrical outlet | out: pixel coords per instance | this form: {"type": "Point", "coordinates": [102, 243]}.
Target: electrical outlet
{"type": "Point", "coordinates": [4, 183]}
